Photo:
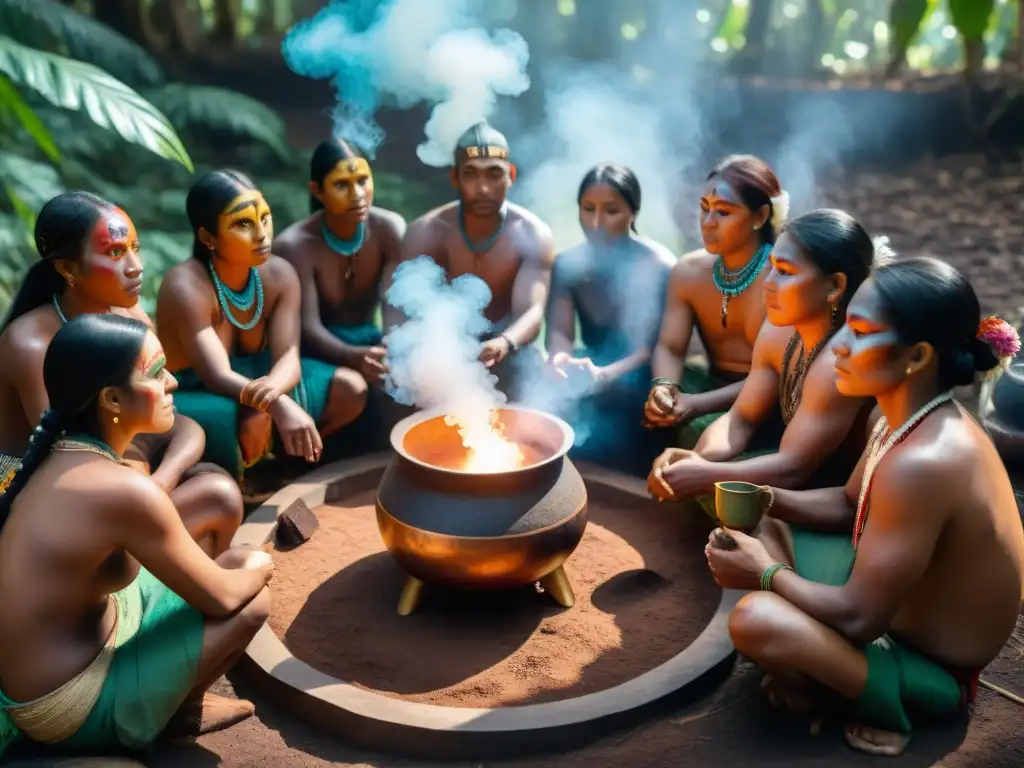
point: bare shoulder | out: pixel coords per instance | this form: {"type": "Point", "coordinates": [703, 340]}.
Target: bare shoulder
{"type": "Point", "coordinates": [389, 223]}
{"type": "Point", "coordinates": [186, 281]}
{"type": "Point", "coordinates": [29, 336]}
{"type": "Point", "coordinates": [916, 474]}
{"type": "Point", "coordinates": [691, 266]}
{"type": "Point", "coordinates": [820, 384]}
{"type": "Point", "coordinates": [279, 271]}
{"type": "Point", "coordinates": [533, 236]}
{"type": "Point", "coordinates": [660, 253]}
{"type": "Point", "coordinates": [290, 243]}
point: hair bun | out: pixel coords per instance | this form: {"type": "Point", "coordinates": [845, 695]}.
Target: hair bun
{"type": "Point", "coordinates": [985, 358]}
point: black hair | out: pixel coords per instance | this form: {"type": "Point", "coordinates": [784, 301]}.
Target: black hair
{"type": "Point", "coordinates": [62, 228]}
{"type": "Point", "coordinates": [755, 183]}
{"type": "Point", "coordinates": [834, 242]}
{"type": "Point", "coordinates": [327, 155]}
{"type": "Point", "coordinates": [89, 354]}
{"type": "Point", "coordinates": [207, 199]}
{"type": "Point", "coordinates": [618, 177]}
{"type": "Point", "coordinates": [925, 299]}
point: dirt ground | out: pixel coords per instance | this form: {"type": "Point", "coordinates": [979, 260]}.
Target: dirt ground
{"type": "Point", "coordinates": [965, 209]}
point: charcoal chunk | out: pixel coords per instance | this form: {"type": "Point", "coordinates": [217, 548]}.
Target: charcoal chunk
{"type": "Point", "coordinates": [296, 524]}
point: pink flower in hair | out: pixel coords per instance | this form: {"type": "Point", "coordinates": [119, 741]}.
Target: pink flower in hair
{"type": "Point", "coordinates": [1001, 336]}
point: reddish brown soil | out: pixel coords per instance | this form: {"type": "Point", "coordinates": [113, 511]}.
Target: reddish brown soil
{"type": "Point", "coordinates": [643, 594]}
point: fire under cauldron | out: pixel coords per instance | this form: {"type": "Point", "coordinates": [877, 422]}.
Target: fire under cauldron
{"type": "Point", "coordinates": [451, 526]}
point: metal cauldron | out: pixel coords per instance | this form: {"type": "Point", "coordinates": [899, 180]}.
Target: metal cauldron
{"type": "Point", "coordinates": [481, 530]}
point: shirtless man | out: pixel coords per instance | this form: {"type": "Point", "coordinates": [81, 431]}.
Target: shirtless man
{"type": "Point", "coordinates": [895, 591]}
{"type": "Point", "coordinates": [91, 265]}
{"type": "Point", "coordinates": [228, 319]}
{"type": "Point", "coordinates": [719, 291]}
{"type": "Point", "coordinates": [340, 253]}
{"type": "Point", "coordinates": [505, 245]}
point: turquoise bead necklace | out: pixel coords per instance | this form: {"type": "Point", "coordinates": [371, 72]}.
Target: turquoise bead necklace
{"type": "Point", "coordinates": [733, 283]}
{"type": "Point", "coordinates": [481, 249]}
{"type": "Point", "coordinates": [240, 300]}
{"type": "Point", "coordinates": [348, 248]}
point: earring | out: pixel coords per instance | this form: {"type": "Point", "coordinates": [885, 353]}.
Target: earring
{"type": "Point", "coordinates": [116, 419]}
{"type": "Point", "coordinates": [209, 246]}
{"type": "Point", "coordinates": [835, 308]}
{"type": "Point", "coordinates": [71, 280]}
{"type": "Point", "coordinates": [910, 370]}
{"type": "Point", "coordinates": [757, 227]}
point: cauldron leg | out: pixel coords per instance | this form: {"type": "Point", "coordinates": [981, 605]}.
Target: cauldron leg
{"type": "Point", "coordinates": [557, 585]}
{"type": "Point", "coordinates": [411, 593]}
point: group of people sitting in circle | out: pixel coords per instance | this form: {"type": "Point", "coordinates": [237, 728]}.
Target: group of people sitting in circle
{"type": "Point", "coordinates": [128, 445]}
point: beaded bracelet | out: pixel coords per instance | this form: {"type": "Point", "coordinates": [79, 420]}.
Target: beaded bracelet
{"type": "Point", "coordinates": [666, 382]}
{"type": "Point", "coordinates": [769, 575]}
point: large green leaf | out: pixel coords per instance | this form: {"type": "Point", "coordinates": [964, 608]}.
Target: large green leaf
{"type": "Point", "coordinates": [11, 101]}
{"type": "Point", "coordinates": [970, 17]}
{"type": "Point", "coordinates": [206, 108]}
{"type": "Point", "coordinates": [27, 182]}
{"type": "Point", "coordinates": [53, 26]}
{"type": "Point", "coordinates": [108, 102]}
{"type": "Point", "coordinates": [906, 18]}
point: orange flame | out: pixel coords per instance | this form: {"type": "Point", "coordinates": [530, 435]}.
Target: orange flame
{"type": "Point", "coordinates": [489, 449]}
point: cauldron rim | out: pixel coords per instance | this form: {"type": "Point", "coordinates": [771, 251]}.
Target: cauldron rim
{"type": "Point", "coordinates": [403, 427]}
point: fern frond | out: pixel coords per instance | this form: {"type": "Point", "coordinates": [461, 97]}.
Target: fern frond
{"type": "Point", "coordinates": [206, 109]}
{"type": "Point", "coordinates": [12, 102]}
{"type": "Point", "coordinates": [53, 26]}
{"type": "Point", "coordinates": [107, 101]}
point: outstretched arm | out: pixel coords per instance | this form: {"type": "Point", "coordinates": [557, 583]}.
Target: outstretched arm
{"type": "Point", "coordinates": [669, 354]}
{"type": "Point", "coordinates": [821, 424]}
{"type": "Point", "coordinates": [729, 435]}
{"type": "Point", "coordinates": [560, 316]}
{"type": "Point", "coordinates": [145, 524]}
{"type": "Point", "coordinates": [530, 289]}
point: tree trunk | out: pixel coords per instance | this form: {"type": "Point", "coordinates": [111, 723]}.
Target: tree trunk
{"type": "Point", "coordinates": [750, 60]}
{"type": "Point", "coordinates": [127, 17]}
{"type": "Point", "coordinates": [225, 27]}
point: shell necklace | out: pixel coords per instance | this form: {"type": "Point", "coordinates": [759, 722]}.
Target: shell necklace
{"type": "Point", "coordinates": [877, 451]}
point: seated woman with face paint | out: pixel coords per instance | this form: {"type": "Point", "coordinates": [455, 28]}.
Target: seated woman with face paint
{"type": "Point", "coordinates": [896, 590]}
{"type": "Point", "coordinates": [819, 260]}
{"type": "Point", "coordinates": [229, 320]}
{"type": "Point", "coordinates": [91, 263]}
{"type": "Point", "coordinates": [614, 282]}
{"type": "Point", "coordinates": [339, 253]}
{"type": "Point", "coordinates": [113, 622]}
{"type": "Point", "coordinates": [719, 292]}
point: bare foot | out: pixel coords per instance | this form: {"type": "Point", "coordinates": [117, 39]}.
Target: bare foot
{"type": "Point", "coordinates": [875, 741]}
{"type": "Point", "coordinates": [212, 713]}
{"type": "Point", "coordinates": [788, 695]}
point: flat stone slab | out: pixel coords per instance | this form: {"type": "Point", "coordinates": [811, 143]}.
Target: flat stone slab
{"type": "Point", "coordinates": [428, 731]}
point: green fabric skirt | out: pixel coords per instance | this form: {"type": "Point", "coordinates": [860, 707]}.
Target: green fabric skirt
{"type": "Point", "coordinates": [899, 678]}
{"type": "Point", "coordinates": [218, 415]}
{"type": "Point", "coordinates": [154, 668]}
{"type": "Point", "coordinates": [697, 380]}
{"type": "Point", "coordinates": [370, 431]}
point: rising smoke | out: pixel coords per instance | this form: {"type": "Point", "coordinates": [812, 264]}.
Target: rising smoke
{"type": "Point", "coordinates": [651, 106]}
{"type": "Point", "coordinates": [432, 356]}
{"type": "Point", "coordinates": [409, 51]}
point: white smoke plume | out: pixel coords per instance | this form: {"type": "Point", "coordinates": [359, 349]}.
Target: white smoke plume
{"type": "Point", "coordinates": [409, 51]}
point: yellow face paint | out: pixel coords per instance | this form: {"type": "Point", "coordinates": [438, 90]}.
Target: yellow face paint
{"type": "Point", "coordinates": [348, 188]}
{"type": "Point", "coordinates": [245, 230]}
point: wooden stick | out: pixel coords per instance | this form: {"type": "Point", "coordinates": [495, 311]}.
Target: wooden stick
{"type": "Point", "coordinates": [1001, 691]}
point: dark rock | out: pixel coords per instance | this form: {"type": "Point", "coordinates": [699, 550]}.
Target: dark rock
{"type": "Point", "coordinates": [296, 524]}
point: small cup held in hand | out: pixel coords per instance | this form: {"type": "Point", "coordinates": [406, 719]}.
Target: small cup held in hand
{"type": "Point", "coordinates": [740, 505]}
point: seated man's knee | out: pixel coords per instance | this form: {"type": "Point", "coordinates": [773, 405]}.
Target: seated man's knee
{"type": "Point", "coordinates": [756, 622]}
{"type": "Point", "coordinates": [348, 394]}
{"type": "Point", "coordinates": [221, 492]}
